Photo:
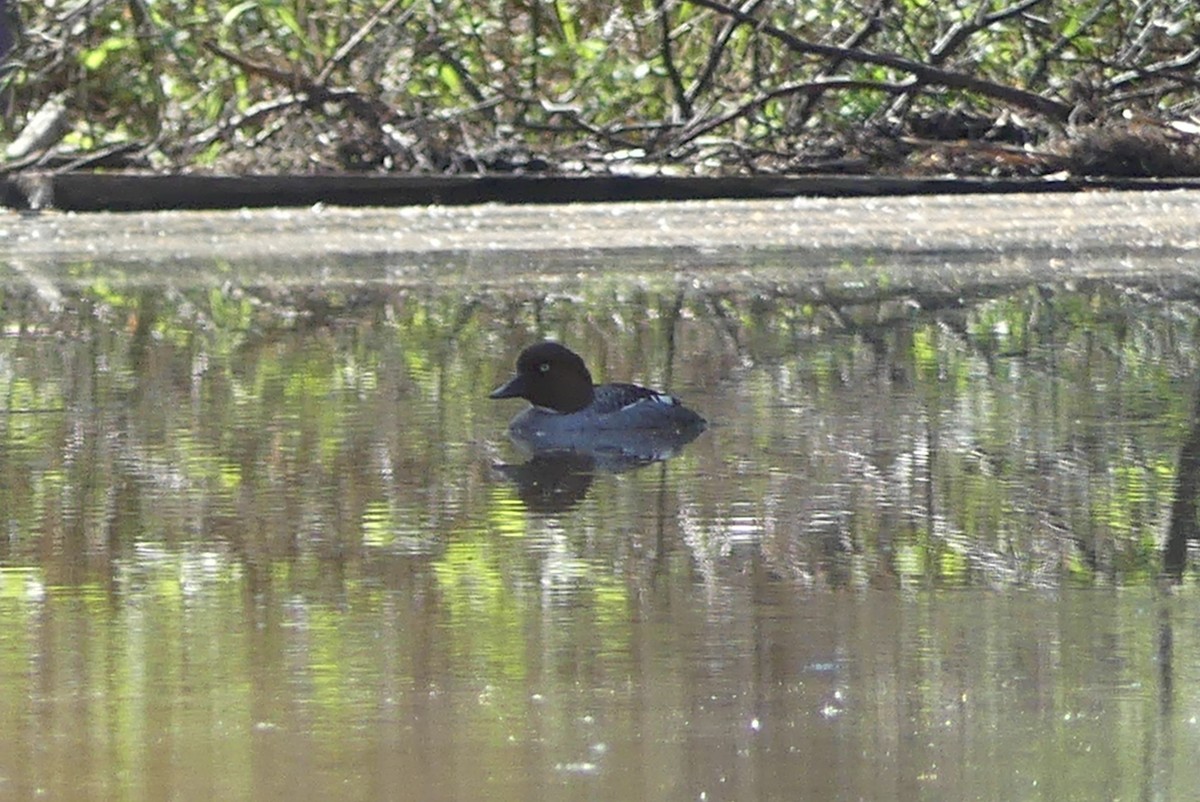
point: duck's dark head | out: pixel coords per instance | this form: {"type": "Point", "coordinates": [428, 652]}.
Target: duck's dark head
{"type": "Point", "coordinates": [550, 375]}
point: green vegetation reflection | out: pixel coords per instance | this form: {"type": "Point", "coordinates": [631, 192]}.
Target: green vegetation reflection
{"type": "Point", "coordinates": [863, 433]}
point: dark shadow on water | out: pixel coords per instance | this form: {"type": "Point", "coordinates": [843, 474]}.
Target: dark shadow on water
{"type": "Point", "coordinates": [1183, 526]}
{"type": "Point", "coordinates": [1159, 753]}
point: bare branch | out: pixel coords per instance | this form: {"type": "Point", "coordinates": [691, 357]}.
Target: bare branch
{"type": "Point", "coordinates": [922, 72]}
{"type": "Point", "coordinates": [351, 44]}
{"type": "Point", "coordinates": [857, 39]}
{"type": "Point", "coordinates": [682, 102]}
{"type": "Point", "coordinates": [958, 35]}
{"type": "Point", "coordinates": [252, 116]}
{"type": "Point", "coordinates": [716, 51]}
{"type": "Point", "coordinates": [304, 89]}
{"type": "Point", "coordinates": [1163, 69]}
{"type": "Point", "coordinates": [960, 32]}
{"type": "Point", "coordinates": [1058, 47]}
{"type": "Point", "coordinates": [810, 88]}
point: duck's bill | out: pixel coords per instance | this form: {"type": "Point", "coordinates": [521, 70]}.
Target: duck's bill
{"type": "Point", "coordinates": [513, 388]}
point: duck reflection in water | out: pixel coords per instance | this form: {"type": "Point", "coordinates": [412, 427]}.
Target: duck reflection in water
{"type": "Point", "coordinates": [552, 481]}
{"type": "Point", "coordinates": [575, 428]}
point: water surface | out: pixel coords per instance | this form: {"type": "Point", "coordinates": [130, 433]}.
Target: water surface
{"type": "Point", "coordinates": [267, 539]}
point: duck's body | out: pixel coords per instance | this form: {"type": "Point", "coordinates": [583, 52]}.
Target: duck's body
{"type": "Point", "coordinates": [569, 412]}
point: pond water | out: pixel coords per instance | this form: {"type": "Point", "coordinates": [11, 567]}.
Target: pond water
{"type": "Point", "coordinates": [265, 537]}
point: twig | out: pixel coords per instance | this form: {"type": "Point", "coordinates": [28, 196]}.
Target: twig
{"type": "Point", "coordinates": [357, 38]}
{"type": "Point", "coordinates": [960, 32]}
{"type": "Point", "coordinates": [460, 69]}
{"type": "Point", "coordinates": [97, 156]}
{"type": "Point", "coordinates": [856, 39]}
{"type": "Point", "coordinates": [273, 74]}
{"type": "Point", "coordinates": [810, 88]}
{"type": "Point", "coordinates": [251, 116]}
{"type": "Point", "coordinates": [372, 109]}
{"type": "Point", "coordinates": [608, 134]}
{"type": "Point", "coordinates": [1058, 47]}
{"type": "Point", "coordinates": [1163, 69]}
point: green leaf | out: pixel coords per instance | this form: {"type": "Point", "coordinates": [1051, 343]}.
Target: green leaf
{"type": "Point", "coordinates": [450, 78]}
{"type": "Point", "coordinates": [93, 59]}
{"type": "Point", "coordinates": [232, 14]}
{"type": "Point", "coordinates": [290, 22]}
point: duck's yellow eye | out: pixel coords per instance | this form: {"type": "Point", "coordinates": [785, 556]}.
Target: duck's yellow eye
{"type": "Point", "coordinates": [544, 367]}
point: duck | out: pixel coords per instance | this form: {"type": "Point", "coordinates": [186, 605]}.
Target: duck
{"type": "Point", "coordinates": [570, 412]}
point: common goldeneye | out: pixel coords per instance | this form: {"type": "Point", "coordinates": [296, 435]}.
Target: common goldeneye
{"type": "Point", "coordinates": [569, 412]}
